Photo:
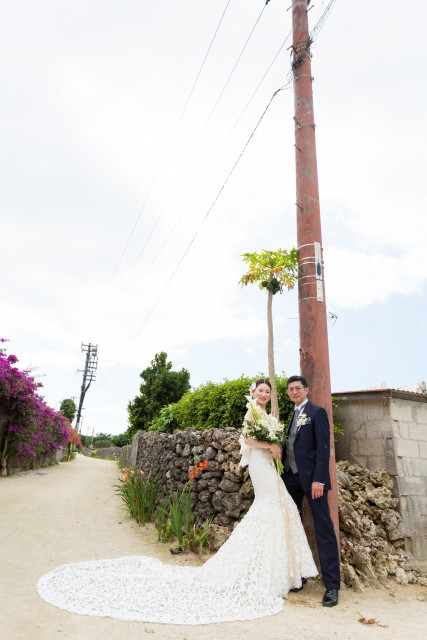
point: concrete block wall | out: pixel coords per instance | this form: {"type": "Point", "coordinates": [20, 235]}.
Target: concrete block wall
{"type": "Point", "coordinates": [368, 432]}
{"type": "Point", "coordinates": [410, 443]}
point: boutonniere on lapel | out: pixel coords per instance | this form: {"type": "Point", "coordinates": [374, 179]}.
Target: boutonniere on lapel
{"type": "Point", "coordinates": [302, 420]}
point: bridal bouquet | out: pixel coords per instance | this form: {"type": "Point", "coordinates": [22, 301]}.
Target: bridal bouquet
{"type": "Point", "coordinates": [264, 427]}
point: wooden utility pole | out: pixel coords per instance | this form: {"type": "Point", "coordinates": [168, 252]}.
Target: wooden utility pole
{"type": "Point", "coordinates": [89, 373]}
{"type": "Point", "coordinates": [314, 352]}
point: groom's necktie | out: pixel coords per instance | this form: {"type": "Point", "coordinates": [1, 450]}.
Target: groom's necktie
{"type": "Point", "coordinates": [290, 457]}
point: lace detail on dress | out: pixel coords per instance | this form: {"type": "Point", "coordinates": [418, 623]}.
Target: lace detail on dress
{"type": "Point", "coordinates": [246, 579]}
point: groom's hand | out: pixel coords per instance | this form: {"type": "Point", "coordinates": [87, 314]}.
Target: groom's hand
{"type": "Point", "coordinates": [316, 490]}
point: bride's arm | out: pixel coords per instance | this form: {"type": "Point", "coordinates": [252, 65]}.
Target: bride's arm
{"type": "Point", "coordinates": [275, 449]}
{"type": "Point", "coordinates": [258, 444]}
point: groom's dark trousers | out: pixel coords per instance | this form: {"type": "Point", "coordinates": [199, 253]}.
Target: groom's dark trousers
{"type": "Point", "coordinates": [306, 460]}
{"type": "Point", "coordinates": [324, 529]}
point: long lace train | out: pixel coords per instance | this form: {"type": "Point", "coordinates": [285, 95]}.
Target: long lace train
{"type": "Point", "coordinates": [246, 579]}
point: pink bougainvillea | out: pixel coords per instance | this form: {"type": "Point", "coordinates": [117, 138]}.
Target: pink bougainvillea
{"type": "Point", "coordinates": [32, 428]}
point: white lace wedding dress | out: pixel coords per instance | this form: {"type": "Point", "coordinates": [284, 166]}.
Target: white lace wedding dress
{"type": "Point", "coordinates": [266, 555]}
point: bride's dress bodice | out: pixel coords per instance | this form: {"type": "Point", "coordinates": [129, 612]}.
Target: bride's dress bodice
{"type": "Point", "coordinates": [246, 579]}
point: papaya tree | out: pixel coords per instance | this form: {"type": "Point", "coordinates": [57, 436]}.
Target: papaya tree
{"type": "Point", "coordinates": [274, 271]}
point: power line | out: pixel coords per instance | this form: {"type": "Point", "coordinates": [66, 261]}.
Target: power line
{"type": "Point", "coordinates": [185, 163]}
{"type": "Point", "coordinates": [234, 68]}
{"type": "Point", "coordinates": [184, 254]}
{"type": "Point", "coordinates": [321, 21]}
{"type": "Point", "coordinates": [174, 133]}
{"type": "Point", "coordinates": [178, 220]}
{"type": "Point", "coordinates": [313, 34]}
{"type": "Point", "coordinates": [202, 65]}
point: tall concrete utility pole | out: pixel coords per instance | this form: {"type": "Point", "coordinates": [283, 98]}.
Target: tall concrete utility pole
{"type": "Point", "coordinates": [314, 352]}
{"type": "Point", "coordinates": [89, 373]}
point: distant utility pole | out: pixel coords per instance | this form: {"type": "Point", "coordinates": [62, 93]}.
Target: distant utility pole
{"type": "Point", "coordinates": [89, 373]}
{"type": "Point", "coordinates": [314, 351]}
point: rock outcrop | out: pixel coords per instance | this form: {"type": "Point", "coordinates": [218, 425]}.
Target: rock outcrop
{"type": "Point", "coordinates": [371, 540]}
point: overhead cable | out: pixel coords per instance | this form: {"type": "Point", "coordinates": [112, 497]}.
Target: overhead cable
{"type": "Point", "coordinates": [185, 162]}
{"type": "Point", "coordinates": [174, 133]}
{"type": "Point", "coordinates": [185, 208]}
{"type": "Point", "coordinates": [188, 247]}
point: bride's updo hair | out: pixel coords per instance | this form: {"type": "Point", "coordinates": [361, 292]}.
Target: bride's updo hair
{"type": "Point", "coordinates": [262, 381]}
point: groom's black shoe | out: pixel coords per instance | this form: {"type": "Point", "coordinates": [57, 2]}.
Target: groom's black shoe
{"type": "Point", "coordinates": [330, 599]}
{"type": "Point", "coordinates": [303, 580]}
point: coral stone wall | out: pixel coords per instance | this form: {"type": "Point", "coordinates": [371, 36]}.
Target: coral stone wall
{"type": "Point", "coordinates": [388, 428]}
{"type": "Point", "coordinates": [111, 453]}
{"type": "Point", "coordinates": [223, 491]}
{"type": "Point", "coordinates": [372, 540]}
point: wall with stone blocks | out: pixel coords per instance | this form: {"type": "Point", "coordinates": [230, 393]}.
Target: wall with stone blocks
{"type": "Point", "coordinates": [110, 453]}
{"type": "Point", "coordinates": [223, 491]}
{"type": "Point", "coordinates": [388, 429]}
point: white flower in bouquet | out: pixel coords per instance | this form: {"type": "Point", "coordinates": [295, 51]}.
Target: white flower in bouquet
{"type": "Point", "coordinates": [264, 427]}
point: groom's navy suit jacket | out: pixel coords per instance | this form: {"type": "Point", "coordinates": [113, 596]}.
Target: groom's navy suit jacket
{"type": "Point", "coordinates": [312, 448]}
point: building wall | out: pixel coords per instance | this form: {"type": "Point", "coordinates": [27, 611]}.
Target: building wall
{"type": "Point", "coordinates": [383, 430]}
{"type": "Point", "coordinates": [410, 446]}
{"type": "Point", "coordinates": [367, 433]}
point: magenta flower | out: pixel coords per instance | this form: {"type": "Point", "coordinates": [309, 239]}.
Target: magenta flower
{"type": "Point", "coordinates": [33, 427]}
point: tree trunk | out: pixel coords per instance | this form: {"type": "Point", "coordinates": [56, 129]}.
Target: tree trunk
{"type": "Point", "coordinates": [271, 372]}
{"type": "Point", "coordinates": [3, 457]}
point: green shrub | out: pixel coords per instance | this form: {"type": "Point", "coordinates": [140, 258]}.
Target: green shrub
{"type": "Point", "coordinates": [165, 422]}
{"type": "Point", "coordinates": [338, 426]}
{"type": "Point", "coordinates": [215, 403]}
{"type": "Point", "coordinates": [102, 443]}
{"type": "Point", "coordinates": [221, 403]}
{"type": "Point", "coordinates": [120, 440]}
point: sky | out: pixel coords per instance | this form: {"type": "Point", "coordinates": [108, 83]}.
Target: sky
{"type": "Point", "coordinates": [120, 122]}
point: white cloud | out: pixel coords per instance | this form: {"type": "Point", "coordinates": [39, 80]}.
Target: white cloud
{"type": "Point", "coordinates": [356, 279]}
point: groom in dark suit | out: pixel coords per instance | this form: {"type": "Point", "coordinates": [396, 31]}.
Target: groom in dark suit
{"type": "Point", "coordinates": [306, 472]}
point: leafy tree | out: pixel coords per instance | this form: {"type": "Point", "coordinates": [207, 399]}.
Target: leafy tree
{"type": "Point", "coordinates": [120, 440]}
{"type": "Point", "coordinates": [102, 436]}
{"type": "Point", "coordinates": [68, 408]}
{"type": "Point", "coordinates": [102, 443]}
{"type": "Point", "coordinates": [274, 271]}
{"type": "Point", "coordinates": [85, 440]}
{"type": "Point", "coordinates": [161, 387]}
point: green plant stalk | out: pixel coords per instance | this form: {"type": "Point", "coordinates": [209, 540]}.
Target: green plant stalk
{"type": "Point", "coordinates": [176, 518]}
{"type": "Point", "coordinates": [139, 495]}
{"type": "Point", "coordinates": [187, 510]}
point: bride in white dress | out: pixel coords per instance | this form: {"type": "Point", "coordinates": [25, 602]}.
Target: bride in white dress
{"type": "Point", "coordinates": [266, 556]}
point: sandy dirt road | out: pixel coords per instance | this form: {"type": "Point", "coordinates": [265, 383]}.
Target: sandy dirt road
{"type": "Point", "coordinates": [70, 513]}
